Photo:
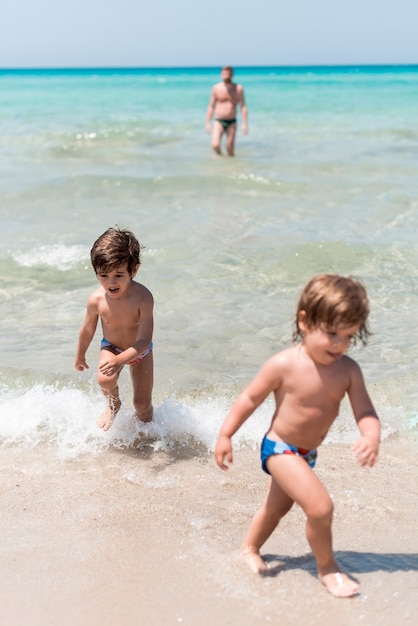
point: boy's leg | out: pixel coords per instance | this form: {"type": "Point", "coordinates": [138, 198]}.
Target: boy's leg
{"type": "Point", "coordinates": [109, 387]}
{"type": "Point", "coordinates": [142, 375]}
{"type": "Point", "coordinates": [303, 486]}
{"type": "Point", "coordinates": [276, 505]}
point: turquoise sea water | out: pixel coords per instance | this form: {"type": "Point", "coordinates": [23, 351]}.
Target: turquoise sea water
{"type": "Point", "coordinates": [326, 180]}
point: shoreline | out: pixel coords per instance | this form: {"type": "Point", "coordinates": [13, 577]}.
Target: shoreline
{"type": "Point", "coordinates": [132, 537]}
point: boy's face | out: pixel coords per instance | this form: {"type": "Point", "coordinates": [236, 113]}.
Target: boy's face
{"type": "Point", "coordinates": [326, 345]}
{"type": "Point", "coordinates": [116, 282]}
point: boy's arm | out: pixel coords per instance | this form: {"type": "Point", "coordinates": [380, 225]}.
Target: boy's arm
{"type": "Point", "coordinates": [366, 448]}
{"type": "Point", "coordinates": [86, 334]}
{"type": "Point", "coordinates": [268, 379]}
{"type": "Point", "coordinates": [145, 327]}
{"type": "Point", "coordinates": [241, 410]}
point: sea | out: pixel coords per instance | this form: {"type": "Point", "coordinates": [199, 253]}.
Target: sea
{"type": "Point", "coordinates": [325, 181]}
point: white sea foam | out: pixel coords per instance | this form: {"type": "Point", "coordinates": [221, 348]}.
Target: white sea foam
{"type": "Point", "coordinates": [66, 419]}
{"type": "Point", "coordinates": [58, 256]}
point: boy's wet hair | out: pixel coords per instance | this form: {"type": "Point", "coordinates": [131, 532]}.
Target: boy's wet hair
{"type": "Point", "coordinates": [331, 299]}
{"type": "Point", "coordinates": [116, 247]}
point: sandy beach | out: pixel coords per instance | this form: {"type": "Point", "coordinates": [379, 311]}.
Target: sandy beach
{"type": "Point", "coordinates": [130, 538]}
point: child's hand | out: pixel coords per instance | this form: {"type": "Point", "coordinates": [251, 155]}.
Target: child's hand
{"type": "Point", "coordinates": [366, 451]}
{"type": "Point", "coordinates": [109, 364]}
{"type": "Point", "coordinates": [223, 450]}
{"type": "Point", "coordinates": [81, 365]}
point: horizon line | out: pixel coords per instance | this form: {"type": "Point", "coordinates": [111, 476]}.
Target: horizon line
{"type": "Point", "coordinates": [196, 67]}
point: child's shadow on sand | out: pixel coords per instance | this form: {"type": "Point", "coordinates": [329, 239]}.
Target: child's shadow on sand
{"type": "Point", "coordinates": [358, 562]}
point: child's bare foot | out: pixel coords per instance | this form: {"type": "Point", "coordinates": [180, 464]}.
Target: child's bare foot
{"type": "Point", "coordinates": [251, 556]}
{"type": "Point", "coordinates": [106, 419]}
{"type": "Point", "coordinates": [339, 584]}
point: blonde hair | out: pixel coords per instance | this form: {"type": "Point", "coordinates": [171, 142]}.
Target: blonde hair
{"type": "Point", "coordinates": [332, 299]}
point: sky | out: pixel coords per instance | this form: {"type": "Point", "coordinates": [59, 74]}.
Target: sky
{"type": "Point", "coordinates": [186, 33]}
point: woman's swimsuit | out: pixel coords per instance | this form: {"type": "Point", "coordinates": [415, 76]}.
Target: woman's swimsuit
{"type": "Point", "coordinates": [270, 447]}
{"type": "Point", "coordinates": [106, 345]}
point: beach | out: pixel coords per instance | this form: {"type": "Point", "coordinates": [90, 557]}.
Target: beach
{"type": "Point", "coordinates": [153, 538]}
{"type": "Point", "coordinates": [138, 525]}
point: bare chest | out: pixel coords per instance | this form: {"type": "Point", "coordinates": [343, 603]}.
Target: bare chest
{"type": "Point", "coordinates": [117, 315]}
{"type": "Point", "coordinates": [227, 94]}
{"type": "Point", "coordinates": [316, 387]}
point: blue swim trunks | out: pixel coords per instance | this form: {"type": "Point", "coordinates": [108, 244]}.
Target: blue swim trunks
{"type": "Point", "coordinates": [269, 447]}
{"type": "Point", "coordinates": [106, 345]}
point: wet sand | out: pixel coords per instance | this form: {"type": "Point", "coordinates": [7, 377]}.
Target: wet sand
{"type": "Point", "coordinates": [140, 537]}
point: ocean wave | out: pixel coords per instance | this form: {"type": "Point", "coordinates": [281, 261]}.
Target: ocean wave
{"type": "Point", "coordinates": [58, 256]}
{"type": "Point", "coordinates": [63, 417]}
{"type": "Point", "coordinates": [66, 419]}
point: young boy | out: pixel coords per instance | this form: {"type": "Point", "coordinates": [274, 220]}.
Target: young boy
{"type": "Point", "coordinates": [125, 309]}
{"type": "Point", "coordinates": [308, 380]}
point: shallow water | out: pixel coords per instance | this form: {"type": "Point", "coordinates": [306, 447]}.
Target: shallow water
{"type": "Point", "coordinates": [325, 181]}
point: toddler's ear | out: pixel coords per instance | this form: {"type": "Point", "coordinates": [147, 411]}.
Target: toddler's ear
{"type": "Point", "coordinates": [301, 321]}
{"type": "Point", "coordinates": [135, 271]}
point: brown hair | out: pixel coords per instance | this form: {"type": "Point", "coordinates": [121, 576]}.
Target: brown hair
{"type": "Point", "coordinates": [115, 248]}
{"type": "Point", "coordinates": [332, 299]}
{"type": "Point", "coordinates": [228, 68]}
